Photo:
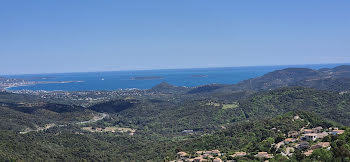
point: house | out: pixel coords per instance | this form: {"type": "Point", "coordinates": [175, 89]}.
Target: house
{"type": "Point", "coordinates": [320, 145]}
{"type": "Point", "coordinates": [200, 153]}
{"type": "Point", "coordinates": [212, 153]}
{"type": "Point", "coordinates": [337, 132]}
{"type": "Point", "coordinates": [293, 134]}
{"type": "Point", "coordinates": [310, 137]}
{"type": "Point", "coordinates": [217, 160]}
{"type": "Point", "coordinates": [215, 153]}
{"type": "Point", "coordinates": [303, 145]}
{"type": "Point", "coordinates": [317, 130]}
{"type": "Point", "coordinates": [289, 140]}
{"type": "Point", "coordinates": [182, 155]}
{"type": "Point", "coordinates": [264, 155]}
{"type": "Point", "coordinates": [199, 159]}
{"type": "Point", "coordinates": [239, 154]}
{"type": "Point", "coordinates": [332, 128]}
{"type": "Point", "coordinates": [278, 145]}
{"type": "Point", "coordinates": [207, 156]}
{"type": "Point", "coordinates": [307, 131]}
{"type": "Point", "coordinates": [313, 130]}
{"type": "Point", "coordinates": [322, 135]}
{"type": "Point", "coordinates": [308, 153]}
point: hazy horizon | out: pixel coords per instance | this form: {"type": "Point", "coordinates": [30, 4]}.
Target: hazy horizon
{"type": "Point", "coordinates": [134, 70]}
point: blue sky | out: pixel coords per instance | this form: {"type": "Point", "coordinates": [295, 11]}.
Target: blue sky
{"type": "Point", "coordinates": [89, 35]}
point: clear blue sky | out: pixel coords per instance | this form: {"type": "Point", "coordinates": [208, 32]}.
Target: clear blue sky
{"type": "Point", "coordinates": [50, 36]}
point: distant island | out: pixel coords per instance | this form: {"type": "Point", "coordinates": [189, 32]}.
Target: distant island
{"type": "Point", "coordinates": [146, 78]}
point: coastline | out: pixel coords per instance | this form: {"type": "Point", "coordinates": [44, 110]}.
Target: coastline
{"type": "Point", "coordinates": [138, 80]}
{"type": "Point", "coordinates": [8, 88]}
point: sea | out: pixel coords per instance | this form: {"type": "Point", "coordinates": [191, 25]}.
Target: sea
{"type": "Point", "coordinates": [146, 79]}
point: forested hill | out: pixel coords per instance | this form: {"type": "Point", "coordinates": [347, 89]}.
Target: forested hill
{"type": "Point", "coordinates": [336, 79]}
{"type": "Point", "coordinates": [330, 105]}
{"type": "Point", "coordinates": [168, 88]}
{"type": "Point", "coordinates": [209, 114]}
{"type": "Point", "coordinates": [228, 125]}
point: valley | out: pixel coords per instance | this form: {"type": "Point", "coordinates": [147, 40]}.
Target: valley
{"type": "Point", "coordinates": [252, 120]}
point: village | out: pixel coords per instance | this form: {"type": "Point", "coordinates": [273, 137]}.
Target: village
{"type": "Point", "coordinates": [84, 98]}
{"type": "Point", "coordinates": [306, 140]}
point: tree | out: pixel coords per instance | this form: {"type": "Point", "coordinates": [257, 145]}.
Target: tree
{"type": "Point", "coordinates": [299, 155]}
{"type": "Point", "coordinates": [339, 150]}
{"type": "Point", "coordinates": [279, 158]}
{"type": "Point", "coordinates": [322, 155]}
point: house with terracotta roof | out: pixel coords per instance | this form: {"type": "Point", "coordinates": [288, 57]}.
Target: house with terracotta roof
{"type": "Point", "coordinates": [212, 153]}
{"type": "Point", "coordinates": [182, 155]}
{"type": "Point", "coordinates": [239, 154]}
{"type": "Point", "coordinates": [289, 140]}
{"type": "Point", "coordinates": [317, 130]}
{"type": "Point", "coordinates": [200, 153]}
{"type": "Point", "coordinates": [199, 159]}
{"type": "Point", "coordinates": [308, 153]}
{"type": "Point", "coordinates": [293, 134]}
{"type": "Point", "coordinates": [313, 130]}
{"type": "Point", "coordinates": [320, 145]}
{"type": "Point", "coordinates": [264, 155]}
{"type": "Point", "coordinates": [207, 156]}
{"type": "Point", "coordinates": [337, 132]}
{"type": "Point", "coordinates": [307, 131]}
{"type": "Point", "coordinates": [217, 160]}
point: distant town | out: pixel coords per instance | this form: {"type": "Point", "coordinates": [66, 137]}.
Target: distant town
{"type": "Point", "coordinates": [6, 83]}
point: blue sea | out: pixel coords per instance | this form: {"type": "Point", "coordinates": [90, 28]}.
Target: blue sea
{"type": "Point", "coordinates": [124, 79]}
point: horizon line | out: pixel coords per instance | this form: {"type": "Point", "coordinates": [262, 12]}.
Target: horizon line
{"type": "Point", "coordinates": [132, 70]}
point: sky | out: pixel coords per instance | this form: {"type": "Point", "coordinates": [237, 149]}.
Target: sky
{"type": "Point", "coordinates": [41, 36]}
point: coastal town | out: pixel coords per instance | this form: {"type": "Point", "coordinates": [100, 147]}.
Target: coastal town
{"type": "Point", "coordinates": [83, 98]}
{"type": "Point", "coordinates": [11, 82]}
{"type": "Point", "coordinates": [305, 140]}
{"type": "Point", "coordinates": [6, 83]}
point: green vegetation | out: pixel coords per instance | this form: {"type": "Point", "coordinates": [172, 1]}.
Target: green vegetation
{"type": "Point", "coordinates": [159, 125]}
{"type": "Point", "coordinates": [330, 105]}
{"type": "Point", "coordinates": [167, 119]}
